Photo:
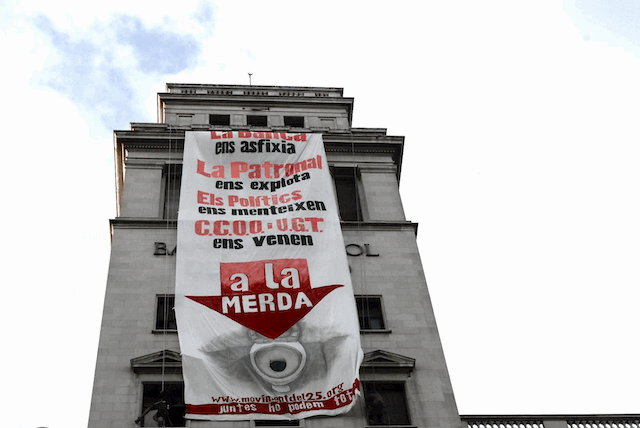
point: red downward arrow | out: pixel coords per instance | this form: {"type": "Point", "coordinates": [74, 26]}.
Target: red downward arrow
{"type": "Point", "coordinates": [267, 296]}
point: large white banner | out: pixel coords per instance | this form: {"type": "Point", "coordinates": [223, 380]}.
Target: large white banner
{"type": "Point", "coordinates": [265, 309]}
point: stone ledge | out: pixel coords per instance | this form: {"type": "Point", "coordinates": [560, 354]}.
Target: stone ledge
{"type": "Point", "coordinates": [159, 223]}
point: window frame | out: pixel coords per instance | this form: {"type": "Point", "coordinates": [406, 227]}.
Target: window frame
{"type": "Point", "coordinates": [168, 385]}
{"type": "Point", "coordinates": [351, 174]}
{"type": "Point", "coordinates": [361, 316]}
{"type": "Point", "coordinates": [171, 182]}
{"type": "Point", "coordinates": [401, 386]}
{"type": "Point", "coordinates": [255, 117]}
{"type": "Point", "coordinates": [293, 121]}
{"type": "Point", "coordinates": [225, 122]}
{"type": "Point", "coordinates": [171, 318]}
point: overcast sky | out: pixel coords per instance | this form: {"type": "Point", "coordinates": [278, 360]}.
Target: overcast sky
{"type": "Point", "coordinates": [521, 166]}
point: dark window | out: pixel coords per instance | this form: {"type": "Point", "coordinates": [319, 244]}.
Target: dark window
{"type": "Point", "coordinates": [347, 191]}
{"type": "Point", "coordinates": [294, 121]}
{"type": "Point", "coordinates": [370, 313]}
{"type": "Point", "coordinates": [165, 315]}
{"type": "Point", "coordinates": [173, 177]}
{"type": "Point", "coordinates": [386, 403]}
{"type": "Point", "coordinates": [220, 119]}
{"type": "Point", "coordinates": [257, 120]}
{"type": "Point", "coordinates": [152, 403]}
{"type": "Point", "coordinates": [282, 423]}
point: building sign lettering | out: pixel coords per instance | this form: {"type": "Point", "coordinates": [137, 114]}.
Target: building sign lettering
{"type": "Point", "coordinates": [353, 250]}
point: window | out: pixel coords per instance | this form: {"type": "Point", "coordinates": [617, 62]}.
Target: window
{"type": "Point", "coordinates": [165, 314]}
{"type": "Point", "coordinates": [294, 121]}
{"type": "Point", "coordinates": [370, 313]}
{"type": "Point", "coordinates": [256, 120]}
{"type": "Point", "coordinates": [345, 180]}
{"type": "Point", "coordinates": [386, 403]}
{"type": "Point", "coordinates": [282, 423]}
{"type": "Point", "coordinates": [173, 178]}
{"type": "Point", "coordinates": [220, 119]}
{"type": "Point", "coordinates": [152, 398]}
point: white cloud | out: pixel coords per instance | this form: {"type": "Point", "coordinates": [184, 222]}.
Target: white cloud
{"type": "Point", "coordinates": [520, 165]}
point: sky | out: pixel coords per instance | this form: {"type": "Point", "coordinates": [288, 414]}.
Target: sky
{"type": "Point", "coordinates": [521, 167]}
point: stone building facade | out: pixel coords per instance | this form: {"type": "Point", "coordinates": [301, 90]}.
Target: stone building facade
{"type": "Point", "coordinates": [139, 353]}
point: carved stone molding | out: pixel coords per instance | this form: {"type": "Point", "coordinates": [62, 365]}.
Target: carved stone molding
{"type": "Point", "coordinates": [166, 361]}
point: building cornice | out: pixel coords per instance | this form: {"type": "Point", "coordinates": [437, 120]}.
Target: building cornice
{"type": "Point", "coordinates": [578, 417]}
{"type": "Point", "coordinates": [168, 138]}
{"type": "Point", "coordinates": [240, 89]}
{"type": "Point", "coordinates": [253, 96]}
{"type": "Point", "coordinates": [165, 143]}
{"type": "Point", "coordinates": [158, 223]}
{"type": "Point", "coordinates": [379, 226]}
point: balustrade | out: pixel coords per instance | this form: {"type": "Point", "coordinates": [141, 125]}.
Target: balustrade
{"type": "Point", "coordinates": [551, 421]}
